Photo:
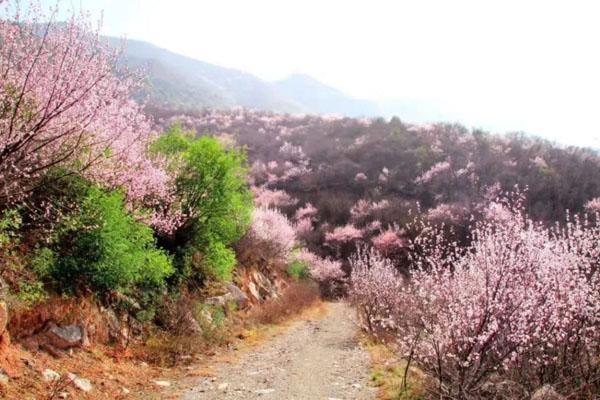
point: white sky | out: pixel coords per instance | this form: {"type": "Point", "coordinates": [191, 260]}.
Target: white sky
{"type": "Point", "coordinates": [504, 65]}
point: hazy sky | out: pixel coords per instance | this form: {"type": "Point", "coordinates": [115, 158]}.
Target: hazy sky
{"type": "Point", "coordinates": [505, 65]}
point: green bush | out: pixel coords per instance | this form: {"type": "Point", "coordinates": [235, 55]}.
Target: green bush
{"type": "Point", "coordinates": [42, 262]}
{"type": "Point", "coordinates": [10, 222]}
{"type": "Point", "coordinates": [218, 261]}
{"type": "Point", "coordinates": [211, 185]}
{"type": "Point", "coordinates": [297, 270]}
{"type": "Point", "coordinates": [104, 248]}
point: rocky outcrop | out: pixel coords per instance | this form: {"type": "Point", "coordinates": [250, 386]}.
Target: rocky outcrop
{"type": "Point", "coordinates": [66, 337]}
{"type": "Point", "coordinates": [234, 295]}
{"type": "Point", "coordinates": [260, 286]}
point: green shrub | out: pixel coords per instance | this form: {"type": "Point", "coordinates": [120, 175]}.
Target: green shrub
{"type": "Point", "coordinates": [211, 185]}
{"type": "Point", "coordinates": [31, 293]}
{"type": "Point", "coordinates": [105, 248]}
{"type": "Point", "coordinates": [42, 262]}
{"type": "Point", "coordinates": [218, 262]}
{"type": "Point", "coordinates": [297, 270]}
{"type": "Point", "coordinates": [10, 222]}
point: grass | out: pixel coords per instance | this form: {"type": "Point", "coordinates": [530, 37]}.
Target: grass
{"type": "Point", "coordinates": [388, 371]}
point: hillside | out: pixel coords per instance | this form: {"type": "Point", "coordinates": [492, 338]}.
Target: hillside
{"type": "Point", "coordinates": [181, 82]}
{"type": "Point", "coordinates": [362, 171]}
{"type": "Point", "coordinates": [318, 98]}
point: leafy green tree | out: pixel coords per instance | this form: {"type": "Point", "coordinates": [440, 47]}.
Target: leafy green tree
{"type": "Point", "coordinates": [214, 195]}
{"type": "Point", "coordinates": [103, 247]}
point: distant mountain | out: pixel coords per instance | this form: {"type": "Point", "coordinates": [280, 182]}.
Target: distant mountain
{"type": "Point", "coordinates": [180, 82]}
{"type": "Point", "coordinates": [319, 98]}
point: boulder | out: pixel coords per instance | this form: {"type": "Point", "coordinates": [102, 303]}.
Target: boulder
{"type": "Point", "coordinates": [50, 375]}
{"type": "Point", "coordinates": [80, 383]}
{"type": "Point", "coordinates": [65, 337]}
{"type": "Point", "coordinates": [222, 300]}
{"type": "Point", "coordinates": [240, 298]}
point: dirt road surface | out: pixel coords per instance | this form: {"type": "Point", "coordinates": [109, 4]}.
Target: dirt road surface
{"type": "Point", "coordinates": [313, 359]}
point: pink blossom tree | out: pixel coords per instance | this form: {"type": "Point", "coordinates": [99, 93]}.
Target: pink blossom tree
{"type": "Point", "coordinates": [271, 234]}
{"type": "Point", "coordinates": [521, 301]}
{"type": "Point", "coordinates": [64, 104]}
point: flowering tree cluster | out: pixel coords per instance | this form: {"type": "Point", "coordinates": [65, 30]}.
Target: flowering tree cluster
{"type": "Point", "coordinates": [390, 241]}
{"type": "Point", "coordinates": [521, 301]}
{"type": "Point", "coordinates": [264, 197]}
{"type": "Point", "coordinates": [270, 238]}
{"type": "Point", "coordinates": [436, 170]}
{"type": "Point", "coordinates": [63, 104]}
{"type": "Point", "coordinates": [344, 234]}
{"type": "Point", "coordinates": [374, 288]}
{"type": "Point", "coordinates": [65, 107]}
{"type": "Point", "coordinates": [323, 270]}
{"type": "Point", "coordinates": [326, 271]}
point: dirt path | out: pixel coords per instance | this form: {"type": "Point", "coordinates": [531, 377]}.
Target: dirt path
{"type": "Point", "coordinates": [314, 359]}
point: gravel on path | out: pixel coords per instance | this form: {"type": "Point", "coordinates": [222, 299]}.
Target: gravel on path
{"type": "Point", "coordinates": [314, 359]}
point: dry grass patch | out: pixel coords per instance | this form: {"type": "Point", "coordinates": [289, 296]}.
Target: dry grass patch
{"type": "Point", "coordinates": [390, 376]}
{"type": "Point", "coordinates": [297, 297]}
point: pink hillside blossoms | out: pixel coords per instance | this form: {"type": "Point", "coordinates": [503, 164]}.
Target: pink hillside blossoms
{"type": "Point", "coordinates": [389, 241]}
{"type": "Point", "coordinates": [374, 288]}
{"type": "Point", "coordinates": [65, 105]}
{"type": "Point", "coordinates": [521, 300]}
{"type": "Point", "coordinates": [344, 234]}
{"type": "Point", "coordinates": [323, 270]}
{"type": "Point", "coordinates": [273, 230]}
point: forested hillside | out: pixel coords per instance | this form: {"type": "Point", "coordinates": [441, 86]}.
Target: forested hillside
{"type": "Point", "coordinates": [358, 172]}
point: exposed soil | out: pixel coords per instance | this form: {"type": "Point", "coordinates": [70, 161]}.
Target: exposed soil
{"type": "Point", "coordinates": [313, 359]}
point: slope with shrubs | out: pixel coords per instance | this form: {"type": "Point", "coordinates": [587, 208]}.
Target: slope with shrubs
{"type": "Point", "coordinates": [444, 265]}
{"type": "Point", "coordinates": [367, 175]}
{"type": "Point", "coordinates": [97, 208]}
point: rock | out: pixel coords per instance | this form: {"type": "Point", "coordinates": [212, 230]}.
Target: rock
{"type": "Point", "coordinates": [85, 338]}
{"type": "Point", "coordinates": [240, 298]}
{"type": "Point", "coordinates": [222, 300]}
{"type": "Point", "coordinates": [4, 379]}
{"type": "Point", "coordinates": [254, 291]}
{"type": "Point", "coordinates": [265, 288]}
{"type": "Point", "coordinates": [162, 383]}
{"type": "Point", "coordinates": [50, 375]}
{"type": "Point", "coordinates": [4, 342]}
{"type": "Point", "coordinates": [547, 392]}
{"type": "Point", "coordinates": [129, 302]}
{"type": "Point", "coordinates": [264, 391]}
{"type": "Point", "coordinates": [223, 386]}
{"type": "Point", "coordinates": [66, 337]}
{"type": "Point", "coordinates": [63, 395]}
{"type": "Point", "coordinates": [3, 317]}
{"type": "Point", "coordinates": [189, 324]}
{"type": "Point", "coordinates": [125, 391]}
{"type": "Point", "coordinates": [80, 383]}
